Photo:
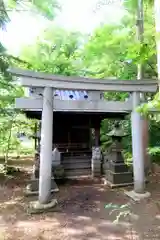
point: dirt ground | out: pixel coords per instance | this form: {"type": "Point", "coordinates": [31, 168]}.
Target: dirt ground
{"type": "Point", "coordinates": [82, 214]}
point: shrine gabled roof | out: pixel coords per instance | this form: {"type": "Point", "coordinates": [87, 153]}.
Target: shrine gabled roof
{"type": "Point", "coordinates": [71, 95]}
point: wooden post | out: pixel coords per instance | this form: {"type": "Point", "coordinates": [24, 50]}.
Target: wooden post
{"type": "Point", "coordinates": [46, 146]}
{"type": "Point", "coordinates": [39, 136]}
{"type": "Point", "coordinates": [96, 153]}
{"type": "Point", "coordinates": [35, 134]}
{"type": "Point", "coordinates": [97, 134]}
{"type": "Point", "coordinates": [97, 137]}
{"type": "Point", "coordinates": [137, 146]}
{"type": "Point", "coordinates": [69, 139]}
{"type": "Point", "coordinates": [90, 134]}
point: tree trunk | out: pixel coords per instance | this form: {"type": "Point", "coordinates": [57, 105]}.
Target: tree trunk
{"type": "Point", "coordinates": [140, 74]}
{"type": "Point", "coordinates": [8, 145]}
{"type": "Point", "coordinates": [157, 24]}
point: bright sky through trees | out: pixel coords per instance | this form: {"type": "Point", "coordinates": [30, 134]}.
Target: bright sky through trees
{"type": "Point", "coordinates": [76, 15]}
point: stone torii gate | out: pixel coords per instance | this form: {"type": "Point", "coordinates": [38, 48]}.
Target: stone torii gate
{"type": "Point", "coordinates": [49, 83]}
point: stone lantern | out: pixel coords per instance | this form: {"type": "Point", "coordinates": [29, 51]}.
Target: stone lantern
{"type": "Point", "coordinates": [116, 171]}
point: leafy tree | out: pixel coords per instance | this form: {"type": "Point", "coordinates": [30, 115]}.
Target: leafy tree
{"type": "Point", "coordinates": [47, 8]}
{"type": "Point", "coordinates": [11, 120]}
{"type": "Point", "coordinates": [113, 50]}
{"type": "Point", "coordinates": [55, 51]}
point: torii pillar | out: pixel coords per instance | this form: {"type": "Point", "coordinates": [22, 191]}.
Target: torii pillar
{"type": "Point", "coordinates": [46, 146]}
{"type": "Point", "coordinates": [137, 146]}
{"type": "Point", "coordinates": [44, 198]}
{"type": "Point", "coordinates": [137, 152]}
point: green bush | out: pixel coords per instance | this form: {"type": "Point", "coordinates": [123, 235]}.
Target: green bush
{"type": "Point", "coordinates": [154, 153]}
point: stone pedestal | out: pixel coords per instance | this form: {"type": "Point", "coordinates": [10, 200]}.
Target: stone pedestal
{"type": "Point", "coordinates": [56, 157]}
{"type": "Point", "coordinates": [57, 169]}
{"type": "Point", "coordinates": [118, 174]}
{"type": "Point", "coordinates": [33, 187]}
{"type": "Point", "coordinates": [36, 207]}
{"type": "Point", "coordinates": [36, 166]}
{"type": "Point", "coordinates": [96, 161]}
{"type": "Point", "coordinates": [33, 184]}
{"type": "Point", "coordinates": [116, 171]}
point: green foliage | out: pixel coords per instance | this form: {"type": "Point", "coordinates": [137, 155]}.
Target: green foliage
{"type": "Point", "coordinates": [4, 19]}
{"type": "Point", "coordinates": [109, 47]}
{"type": "Point", "coordinates": [152, 104]}
{"type": "Point", "coordinates": [8, 91]}
{"type": "Point", "coordinates": [154, 151]}
{"type": "Point", "coordinates": [47, 8]}
{"type": "Point", "coordinates": [10, 126]}
{"type": "Point", "coordinates": [56, 51]}
{"type": "Point", "coordinates": [113, 51]}
{"type": "Point", "coordinates": [11, 120]}
{"type": "Point", "coordinates": [8, 170]}
{"type": "Point", "coordinates": [124, 211]}
{"type": "Point", "coordinates": [117, 48]}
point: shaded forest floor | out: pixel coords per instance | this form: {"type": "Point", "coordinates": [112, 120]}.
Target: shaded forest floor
{"type": "Point", "coordinates": [82, 214]}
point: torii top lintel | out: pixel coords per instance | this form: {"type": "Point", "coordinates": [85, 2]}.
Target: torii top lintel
{"type": "Point", "coordinates": [38, 79]}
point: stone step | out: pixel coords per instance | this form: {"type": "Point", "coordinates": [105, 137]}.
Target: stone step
{"type": "Point", "coordinates": [76, 152]}
{"type": "Point", "coordinates": [78, 172]}
{"type": "Point", "coordinates": [75, 165]}
{"type": "Point", "coordinates": [77, 157]}
{"type": "Point", "coordinates": [73, 160]}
